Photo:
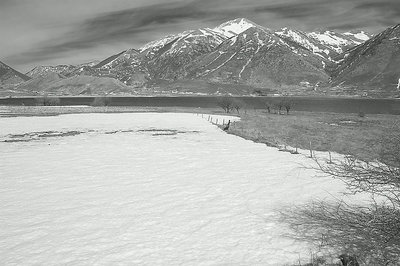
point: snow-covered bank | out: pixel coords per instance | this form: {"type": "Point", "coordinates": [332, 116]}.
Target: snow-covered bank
{"type": "Point", "coordinates": [128, 191]}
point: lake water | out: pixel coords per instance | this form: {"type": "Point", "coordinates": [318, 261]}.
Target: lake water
{"type": "Point", "coordinates": [145, 189]}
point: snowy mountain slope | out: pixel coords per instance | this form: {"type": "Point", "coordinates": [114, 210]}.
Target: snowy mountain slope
{"type": "Point", "coordinates": [230, 53]}
{"type": "Point", "coordinates": [258, 57]}
{"type": "Point", "coordinates": [42, 70]}
{"type": "Point", "coordinates": [170, 61]}
{"type": "Point", "coordinates": [373, 64]}
{"type": "Point", "coordinates": [10, 76]}
{"type": "Point", "coordinates": [65, 70]}
{"type": "Point", "coordinates": [358, 37]}
{"type": "Point", "coordinates": [151, 48]}
{"type": "Point", "coordinates": [311, 44]}
{"type": "Point", "coordinates": [339, 42]}
{"type": "Point", "coordinates": [125, 66]}
{"type": "Point", "coordinates": [327, 44]}
{"type": "Point", "coordinates": [108, 61]}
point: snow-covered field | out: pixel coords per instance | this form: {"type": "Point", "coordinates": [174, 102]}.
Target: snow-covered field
{"type": "Point", "coordinates": [145, 189]}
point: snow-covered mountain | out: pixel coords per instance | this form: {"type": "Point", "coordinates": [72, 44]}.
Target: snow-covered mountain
{"type": "Point", "coordinates": [236, 51]}
{"type": "Point", "coordinates": [259, 58]}
{"type": "Point", "coordinates": [242, 53]}
{"type": "Point", "coordinates": [171, 60]}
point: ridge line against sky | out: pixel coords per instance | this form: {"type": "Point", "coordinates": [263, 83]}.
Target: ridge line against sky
{"type": "Point", "coordinates": [53, 32]}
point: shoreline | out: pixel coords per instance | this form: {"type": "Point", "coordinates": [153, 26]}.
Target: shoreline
{"type": "Point", "coordinates": [342, 133]}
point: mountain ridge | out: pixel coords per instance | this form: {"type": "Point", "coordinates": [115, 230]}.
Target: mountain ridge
{"type": "Point", "coordinates": [242, 52]}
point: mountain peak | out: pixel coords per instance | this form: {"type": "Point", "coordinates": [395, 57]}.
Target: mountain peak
{"type": "Point", "coordinates": [235, 27]}
{"type": "Point", "coordinates": [8, 75]}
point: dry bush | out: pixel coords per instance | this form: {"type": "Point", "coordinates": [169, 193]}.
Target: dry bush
{"type": "Point", "coordinates": [370, 231]}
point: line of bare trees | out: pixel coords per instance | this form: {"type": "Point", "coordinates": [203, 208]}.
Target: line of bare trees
{"type": "Point", "coordinates": [279, 107]}
{"type": "Point", "coordinates": [47, 101]}
{"type": "Point", "coordinates": [229, 104]}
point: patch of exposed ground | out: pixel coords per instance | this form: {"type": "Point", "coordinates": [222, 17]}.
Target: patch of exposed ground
{"type": "Point", "coordinates": [26, 137]}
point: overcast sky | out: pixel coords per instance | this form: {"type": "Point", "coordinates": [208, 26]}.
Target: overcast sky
{"type": "Point", "coordinates": [41, 32]}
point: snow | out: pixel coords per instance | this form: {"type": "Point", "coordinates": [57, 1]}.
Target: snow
{"type": "Point", "coordinates": [161, 42]}
{"type": "Point", "coordinates": [331, 39]}
{"type": "Point", "coordinates": [221, 65]}
{"type": "Point", "coordinates": [260, 43]}
{"type": "Point", "coordinates": [147, 189]}
{"type": "Point", "coordinates": [304, 40]}
{"type": "Point", "coordinates": [360, 35]}
{"type": "Point", "coordinates": [234, 27]}
{"type": "Point", "coordinates": [233, 40]}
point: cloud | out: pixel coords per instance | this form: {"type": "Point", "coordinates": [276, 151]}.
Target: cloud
{"type": "Point", "coordinates": [294, 9]}
{"type": "Point", "coordinates": [123, 25]}
{"type": "Point", "coordinates": [387, 11]}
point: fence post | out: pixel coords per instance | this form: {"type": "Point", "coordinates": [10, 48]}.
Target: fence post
{"type": "Point", "coordinates": [311, 155]}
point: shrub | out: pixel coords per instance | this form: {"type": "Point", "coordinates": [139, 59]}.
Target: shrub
{"type": "Point", "coordinates": [370, 231]}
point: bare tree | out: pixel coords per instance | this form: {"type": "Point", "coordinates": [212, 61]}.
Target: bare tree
{"type": "Point", "coordinates": [268, 106]}
{"type": "Point", "coordinates": [237, 105]}
{"type": "Point", "coordinates": [226, 103]}
{"type": "Point", "coordinates": [279, 105]}
{"type": "Point", "coordinates": [287, 104]}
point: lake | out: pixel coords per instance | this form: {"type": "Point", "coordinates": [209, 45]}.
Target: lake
{"type": "Point", "coordinates": [299, 103]}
